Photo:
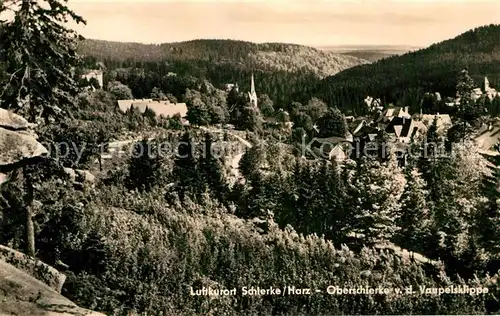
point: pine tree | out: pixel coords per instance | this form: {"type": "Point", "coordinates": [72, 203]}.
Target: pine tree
{"type": "Point", "coordinates": [250, 119]}
{"type": "Point", "coordinates": [120, 90]}
{"type": "Point", "coordinates": [304, 198]}
{"type": "Point", "coordinates": [252, 160]}
{"type": "Point", "coordinates": [414, 218]}
{"type": "Point", "coordinates": [211, 171]}
{"type": "Point", "coordinates": [333, 123]}
{"type": "Point", "coordinates": [262, 196]}
{"type": "Point", "coordinates": [430, 161]}
{"type": "Point", "coordinates": [468, 110]}
{"type": "Point", "coordinates": [185, 171]}
{"type": "Point", "coordinates": [145, 166]}
{"type": "Point", "coordinates": [40, 55]}
{"type": "Point", "coordinates": [330, 215]}
{"type": "Point", "coordinates": [266, 105]}
{"type": "Point", "coordinates": [379, 187]}
{"type": "Point", "coordinates": [489, 218]}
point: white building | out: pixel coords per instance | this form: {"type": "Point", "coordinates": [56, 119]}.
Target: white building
{"type": "Point", "coordinates": [165, 108]}
{"type": "Point", "coordinates": [490, 92]}
{"type": "Point", "coordinates": [252, 94]}
{"type": "Point", "coordinates": [95, 74]}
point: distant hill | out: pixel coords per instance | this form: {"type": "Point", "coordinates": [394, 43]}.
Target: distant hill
{"type": "Point", "coordinates": [404, 79]}
{"type": "Point", "coordinates": [283, 71]}
{"type": "Point", "coordinates": [265, 57]}
{"type": "Point", "coordinates": [371, 53]}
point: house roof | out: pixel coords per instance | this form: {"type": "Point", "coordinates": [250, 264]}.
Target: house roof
{"type": "Point", "coordinates": [404, 127]}
{"type": "Point", "coordinates": [443, 120]}
{"type": "Point", "coordinates": [93, 72]}
{"type": "Point", "coordinates": [392, 112]}
{"type": "Point", "coordinates": [365, 130]}
{"type": "Point", "coordinates": [330, 150]}
{"type": "Point", "coordinates": [332, 140]}
{"type": "Point", "coordinates": [356, 125]}
{"type": "Point", "coordinates": [489, 138]}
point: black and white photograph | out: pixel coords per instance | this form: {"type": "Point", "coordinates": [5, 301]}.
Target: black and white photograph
{"type": "Point", "coordinates": [220, 158]}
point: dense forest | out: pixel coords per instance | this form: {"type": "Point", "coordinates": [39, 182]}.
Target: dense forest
{"type": "Point", "coordinates": [281, 70]}
{"type": "Point", "coordinates": [403, 80]}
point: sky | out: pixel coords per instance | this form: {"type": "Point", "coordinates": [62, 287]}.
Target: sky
{"type": "Point", "coordinates": [313, 22]}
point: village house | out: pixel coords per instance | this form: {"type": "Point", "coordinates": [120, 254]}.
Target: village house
{"type": "Point", "coordinates": [392, 112]}
{"type": "Point", "coordinates": [477, 93]}
{"type": "Point", "coordinates": [375, 105]}
{"type": "Point", "coordinates": [331, 148]}
{"type": "Point", "coordinates": [443, 121]}
{"type": "Point", "coordinates": [356, 125]}
{"type": "Point", "coordinates": [490, 92]}
{"type": "Point", "coordinates": [94, 74]}
{"type": "Point", "coordinates": [403, 130]}
{"type": "Point", "coordinates": [488, 136]}
{"type": "Point", "coordinates": [230, 86]}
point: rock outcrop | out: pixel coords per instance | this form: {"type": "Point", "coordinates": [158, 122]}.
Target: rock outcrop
{"type": "Point", "coordinates": [22, 294]}
{"type": "Point", "coordinates": [18, 144]}
{"type": "Point", "coordinates": [36, 268]}
{"type": "Point", "coordinates": [80, 178]}
{"type": "Point", "coordinates": [12, 121]}
{"type": "Point", "coordinates": [27, 285]}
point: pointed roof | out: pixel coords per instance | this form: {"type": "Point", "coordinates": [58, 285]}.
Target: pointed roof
{"type": "Point", "coordinates": [252, 88]}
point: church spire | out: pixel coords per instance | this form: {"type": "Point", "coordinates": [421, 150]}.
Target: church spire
{"type": "Point", "coordinates": [252, 88]}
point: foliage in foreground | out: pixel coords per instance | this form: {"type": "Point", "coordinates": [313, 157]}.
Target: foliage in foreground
{"type": "Point", "coordinates": [147, 262]}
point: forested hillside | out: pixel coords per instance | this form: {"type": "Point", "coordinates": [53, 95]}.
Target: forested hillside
{"type": "Point", "coordinates": [371, 53]}
{"type": "Point", "coordinates": [404, 79]}
{"type": "Point", "coordinates": [236, 196]}
{"type": "Point", "coordinates": [281, 70]}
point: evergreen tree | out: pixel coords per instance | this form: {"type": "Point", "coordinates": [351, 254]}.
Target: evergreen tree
{"type": "Point", "coordinates": [431, 161]}
{"type": "Point", "coordinates": [266, 105]}
{"type": "Point", "coordinates": [261, 199]}
{"type": "Point", "coordinates": [252, 160]}
{"type": "Point", "coordinates": [145, 166]}
{"type": "Point", "coordinates": [185, 170]}
{"type": "Point", "coordinates": [120, 91]}
{"type": "Point", "coordinates": [329, 213]}
{"type": "Point", "coordinates": [198, 112]}
{"type": "Point", "coordinates": [333, 123]}
{"type": "Point", "coordinates": [489, 217]}
{"type": "Point", "coordinates": [150, 117]}
{"type": "Point", "coordinates": [415, 215]}
{"type": "Point", "coordinates": [210, 168]}
{"type": "Point", "coordinates": [379, 187]}
{"type": "Point", "coordinates": [156, 93]}
{"type": "Point", "coordinates": [40, 57]}
{"type": "Point", "coordinates": [468, 110]}
{"type": "Point", "coordinates": [250, 119]}
{"type": "Point", "coordinates": [303, 197]}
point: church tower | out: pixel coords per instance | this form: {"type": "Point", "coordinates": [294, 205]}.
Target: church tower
{"type": "Point", "coordinates": [486, 84]}
{"type": "Point", "coordinates": [252, 94]}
